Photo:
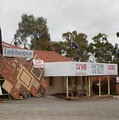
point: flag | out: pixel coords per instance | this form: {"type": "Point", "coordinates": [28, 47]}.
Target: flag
{"type": "Point", "coordinates": [74, 45]}
{"type": "Point", "coordinates": [0, 41]}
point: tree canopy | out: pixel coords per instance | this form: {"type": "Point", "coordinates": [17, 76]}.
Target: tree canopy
{"type": "Point", "coordinates": [33, 32]}
{"type": "Point", "coordinates": [101, 48]}
{"type": "Point", "coordinates": [80, 39]}
{"type": "Point", "coordinates": [26, 29]}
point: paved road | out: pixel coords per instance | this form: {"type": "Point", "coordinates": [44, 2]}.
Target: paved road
{"type": "Point", "coordinates": [52, 108]}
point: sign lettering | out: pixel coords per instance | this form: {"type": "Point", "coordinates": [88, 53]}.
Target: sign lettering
{"type": "Point", "coordinates": [10, 52]}
{"type": "Point", "coordinates": [81, 66]}
{"type": "Point", "coordinates": [97, 68]}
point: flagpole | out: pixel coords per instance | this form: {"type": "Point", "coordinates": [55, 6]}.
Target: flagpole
{"type": "Point", "coordinates": [0, 41]}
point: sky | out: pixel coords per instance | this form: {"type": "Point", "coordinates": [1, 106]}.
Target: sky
{"type": "Point", "coordinates": [85, 16]}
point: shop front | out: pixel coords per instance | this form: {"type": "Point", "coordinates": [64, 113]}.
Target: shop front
{"type": "Point", "coordinates": [76, 78]}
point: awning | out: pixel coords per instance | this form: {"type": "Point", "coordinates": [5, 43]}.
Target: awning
{"type": "Point", "coordinates": [79, 69]}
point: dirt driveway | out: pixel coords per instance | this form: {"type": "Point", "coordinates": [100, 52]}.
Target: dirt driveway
{"type": "Point", "coordinates": [52, 108]}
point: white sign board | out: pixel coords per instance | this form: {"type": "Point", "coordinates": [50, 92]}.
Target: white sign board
{"type": "Point", "coordinates": [94, 69]}
{"type": "Point", "coordinates": [11, 52]}
{"type": "Point", "coordinates": [79, 69]}
{"type": "Point", "coordinates": [38, 63]}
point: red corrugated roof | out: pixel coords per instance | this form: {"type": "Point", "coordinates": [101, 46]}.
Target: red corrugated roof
{"type": "Point", "coordinates": [46, 56]}
{"type": "Point", "coordinates": [8, 45]}
{"type": "Point", "coordinates": [51, 56]}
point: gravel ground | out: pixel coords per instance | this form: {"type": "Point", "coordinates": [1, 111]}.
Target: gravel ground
{"type": "Point", "coordinates": [53, 108]}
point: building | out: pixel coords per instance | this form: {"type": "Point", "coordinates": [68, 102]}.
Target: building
{"type": "Point", "coordinates": [65, 76]}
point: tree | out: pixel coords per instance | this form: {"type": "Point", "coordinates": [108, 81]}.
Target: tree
{"type": "Point", "coordinates": [26, 29]}
{"type": "Point", "coordinates": [79, 53]}
{"type": "Point", "coordinates": [102, 49]}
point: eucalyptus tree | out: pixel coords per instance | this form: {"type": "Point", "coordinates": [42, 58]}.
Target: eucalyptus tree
{"type": "Point", "coordinates": [79, 52]}
{"type": "Point", "coordinates": [26, 32]}
{"type": "Point", "coordinates": [102, 49]}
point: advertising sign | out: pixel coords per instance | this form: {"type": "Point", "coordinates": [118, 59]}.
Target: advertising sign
{"type": "Point", "coordinates": [79, 69]}
{"type": "Point", "coordinates": [95, 69]}
{"type": "Point", "coordinates": [38, 63]}
{"type": "Point", "coordinates": [12, 52]}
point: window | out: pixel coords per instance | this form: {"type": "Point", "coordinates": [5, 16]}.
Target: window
{"type": "Point", "coordinates": [51, 81]}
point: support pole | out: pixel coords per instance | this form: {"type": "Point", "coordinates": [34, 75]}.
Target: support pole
{"type": "Point", "coordinates": [108, 85]}
{"type": "Point", "coordinates": [67, 88]}
{"type": "Point", "coordinates": [81, 82]}
{"type": "Point", "coordinates": [89, 86]}
{"type": "Point", "coordinates": [86, 85]}
{"type": "Point", "coordinates": [99, 86]}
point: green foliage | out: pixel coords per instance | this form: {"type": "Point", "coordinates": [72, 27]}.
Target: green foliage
{"type": "Point", "coordinates": [81, 40]}
{"type": "Point", "coordinates": [26, 29]}
{"type": "Point", "coordinates": [102, 49]}
{"type": "Point", "coordinates": [99, 47]}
